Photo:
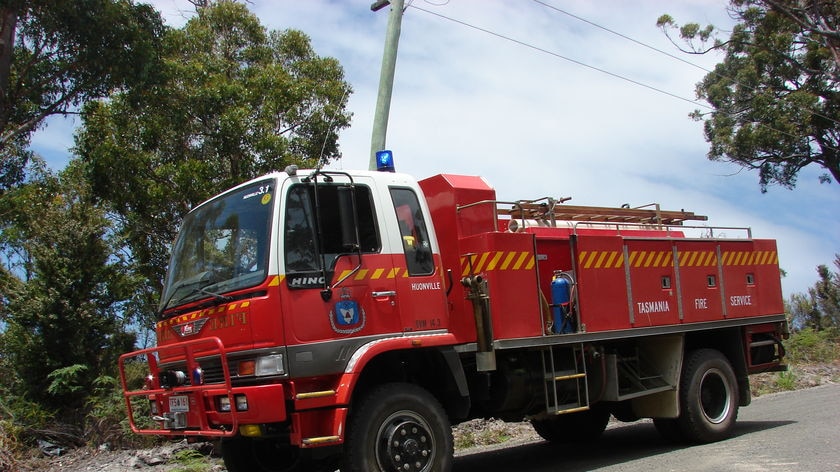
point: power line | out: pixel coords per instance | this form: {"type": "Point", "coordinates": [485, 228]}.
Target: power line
{"type": "Point", "coordinates": [560, 56]}
{"type": "Point", "coordinates": [620, 35]}
{"type": "Point", "coordinates": [665, 53]}
{"type": "Point", "coordinates": [604, 71]}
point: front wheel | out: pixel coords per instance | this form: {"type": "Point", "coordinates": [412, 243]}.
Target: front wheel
{"type": "Point", "coordinates": [398, 427]}
{"type": "Point", "coordinates": [708, 397]}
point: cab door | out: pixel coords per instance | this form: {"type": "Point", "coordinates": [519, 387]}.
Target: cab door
{"type": "Point", "coordinates": [332, 292]}
{"type": "Point", "coordinates": [420, 285]}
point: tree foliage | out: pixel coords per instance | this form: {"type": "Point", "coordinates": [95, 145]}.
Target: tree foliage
{"type": "Point", "coordinates": [57, 54]}
{"type": "Point", "coordinates": [62, 288]}
{"type": "Point", "coordinates": [185, 113]}
{"type": "Point", "coordinates": [820, 308]}
{"type": "Point", "coordinates": [234, 101]}
{"type": "Point", "coordinates": [775, 97]}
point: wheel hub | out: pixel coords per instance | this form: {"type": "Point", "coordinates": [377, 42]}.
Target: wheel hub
{"type": "Point", "coordinates": [715, 397]}
{"type": "Point", "coordinates": [408, 445]}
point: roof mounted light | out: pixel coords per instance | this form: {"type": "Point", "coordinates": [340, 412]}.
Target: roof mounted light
{"type": "Point", "coordinates": [385, 161]}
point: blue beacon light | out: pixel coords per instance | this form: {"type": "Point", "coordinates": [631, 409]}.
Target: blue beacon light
{"type": "Point", "coordinates": [385, 161]}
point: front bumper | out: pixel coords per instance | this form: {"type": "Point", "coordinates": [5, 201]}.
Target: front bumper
{"type": "Point", "coordinates": [193, 406]}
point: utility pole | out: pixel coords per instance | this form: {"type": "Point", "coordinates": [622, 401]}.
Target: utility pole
{"type": "Point", "coordinates": [386, 77]}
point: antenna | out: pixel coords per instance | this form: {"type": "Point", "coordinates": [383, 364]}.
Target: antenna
{"type": "Point", "coordinates": [321, 158]}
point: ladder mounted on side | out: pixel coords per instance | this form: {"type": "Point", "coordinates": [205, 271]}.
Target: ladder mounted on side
{"type": "Point", "coordinates": [566, 389]}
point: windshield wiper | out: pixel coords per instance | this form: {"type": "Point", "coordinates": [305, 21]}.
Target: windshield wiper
{"type": "Point", "coordinates": [205, 278]}
{"type": "Point", "coordinates": [221, 298]}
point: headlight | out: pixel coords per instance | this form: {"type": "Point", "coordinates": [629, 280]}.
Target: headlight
{"type": "Point", "coordinates": [270, 365]}
{"type": "Point", "coordinates": [261, 366]}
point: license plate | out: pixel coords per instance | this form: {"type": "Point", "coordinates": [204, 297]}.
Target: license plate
{"type": "Point", "coordinates": [179, 403]}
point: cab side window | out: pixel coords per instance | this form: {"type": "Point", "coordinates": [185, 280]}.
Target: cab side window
{"type": "Point", "coordinates": [413, 232]}
{"type": "Point", "coordinates": [313, 226]}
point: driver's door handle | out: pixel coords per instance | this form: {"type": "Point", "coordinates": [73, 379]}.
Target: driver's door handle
{"type": "Point", "coordinates": [388, 293]}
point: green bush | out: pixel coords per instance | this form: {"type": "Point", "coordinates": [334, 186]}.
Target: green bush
{"type": "Point", "coordinates": [20, 419]}
{"type": "Point", "coordinates": [107, 422]}
{"type": "Point", "coordinates": [810, 347]}
{"type": "Point", "coordinates": [786, 380]}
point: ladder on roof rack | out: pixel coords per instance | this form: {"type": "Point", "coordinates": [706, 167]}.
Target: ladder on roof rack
{"type": "Point", "coordinates": [552, 211]}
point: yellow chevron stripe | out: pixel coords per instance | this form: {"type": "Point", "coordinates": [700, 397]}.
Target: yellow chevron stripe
{"type": "Point", "coordinates": [620, 262]}
{"type": "Point", "coordinates": [495, 260]}
{"type": "Point", "coordinates": [609, 262]}
{"type": "Point", "coordinates": [508, 260]}
{"type": "Point", "coordinates": [498, 260]}
{"type": "Point", "coordinates": [531, 262]}
{"type": "Point", "coordinates": [658, 260]}
{"type": "Point", "coordinates": [522, 256]}
{"type": "Point", "coordinates": [641, 258]}
{"type": "Point", "coordinates": [587, 261]}
{"type": "Point", "coordinates": [647, 259]}
{"type": "Point", "coordinates": [480, 266]}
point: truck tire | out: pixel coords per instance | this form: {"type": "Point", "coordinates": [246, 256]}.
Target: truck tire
{"type": "Point", "coordinates": [708, 397]}
{"type": "Point", "coordinates": [398, 426]}
{"type": "Point", "coordinates": [584, 426]}
{"type": "Point", "coordinates": [261, 455]}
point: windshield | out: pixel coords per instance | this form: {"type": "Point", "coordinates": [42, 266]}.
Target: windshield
{"type": "Point", "coordinates": [222, 246]}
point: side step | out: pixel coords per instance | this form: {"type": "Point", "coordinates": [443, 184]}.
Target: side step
{"type": "Point", "coordinates": [566, 389]}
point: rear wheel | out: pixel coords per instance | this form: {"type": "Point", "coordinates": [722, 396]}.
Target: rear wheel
{"type": "Point", "coordinates": [708, 397]}
{"type": "Point", "coordinates": [583, 426]}
{"type": "Point", "coordinates": [398, 427]}
{"type": "Point", "coordinates": [261, 455]}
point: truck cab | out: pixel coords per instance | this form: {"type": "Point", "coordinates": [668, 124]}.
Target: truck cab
{"type": "Point", "coordinates": [273, 289]}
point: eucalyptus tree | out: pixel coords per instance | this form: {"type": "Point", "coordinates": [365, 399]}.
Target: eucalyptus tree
{"type": "Point", "coordinates": [57, 54]}
{"type": "Point", "coordinates": [235, 100]}
{"type": "Point", "coordinates": [775, 97]}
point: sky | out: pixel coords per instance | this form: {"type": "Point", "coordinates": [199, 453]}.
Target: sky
{"type": "Point", "coordinates": [541, 99]}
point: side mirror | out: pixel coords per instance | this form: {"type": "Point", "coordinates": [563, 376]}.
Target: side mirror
{"type": "Point", "coordinates": [347, 214]}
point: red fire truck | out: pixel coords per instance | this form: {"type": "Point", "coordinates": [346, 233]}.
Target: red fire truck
{"type": "Point", "coordinates": [322, 314]}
